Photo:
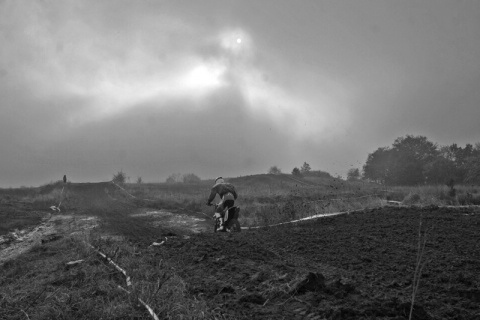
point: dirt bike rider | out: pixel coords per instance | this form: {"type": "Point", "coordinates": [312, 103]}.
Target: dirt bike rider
{"type": "Point", "coordinates": [227, 194]}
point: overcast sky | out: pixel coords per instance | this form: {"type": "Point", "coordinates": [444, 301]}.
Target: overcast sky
{"type": "Point", "coordinates": [228, 87]}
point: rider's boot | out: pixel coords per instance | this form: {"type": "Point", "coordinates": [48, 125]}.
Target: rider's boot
{"type": "Point", "coordinates": [222, 225]}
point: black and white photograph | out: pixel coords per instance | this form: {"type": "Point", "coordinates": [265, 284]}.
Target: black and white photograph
{"type": "Point", "coordinates": [240, 159]}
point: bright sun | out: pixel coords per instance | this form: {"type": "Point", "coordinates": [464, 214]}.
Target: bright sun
{"type": "Point", "coordinates": [204, 76]}
{"type": "Point", "coordinates": [239, 40]}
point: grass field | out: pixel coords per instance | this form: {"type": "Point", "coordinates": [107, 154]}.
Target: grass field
{"type": "Point", "coordinates": [268, 199]}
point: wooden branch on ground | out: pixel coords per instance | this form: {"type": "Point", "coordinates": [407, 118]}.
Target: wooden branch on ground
{"type": "Point", "coordinates": [150, 310]}
{"type": "Point", "coordinates": [127, 277]}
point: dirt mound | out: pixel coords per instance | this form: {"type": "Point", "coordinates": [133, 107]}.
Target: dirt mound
{"type": "Point", "coordinates": [93, 197]}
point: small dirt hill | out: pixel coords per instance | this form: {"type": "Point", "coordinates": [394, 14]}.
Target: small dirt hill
{"type": "Point", "coordinates": [114, 207]}
{"type": "Point", "coordinates": [90, 198]}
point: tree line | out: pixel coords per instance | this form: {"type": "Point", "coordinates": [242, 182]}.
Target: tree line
{"type": "Point", "coordinates": [414, 160]}
{"type": "Point", "coordinates": [304, 170]}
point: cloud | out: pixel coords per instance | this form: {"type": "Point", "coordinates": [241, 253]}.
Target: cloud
{"type": "Point", "coordinates": [116, 65]}
{"type": "Point", "coordinates": [91, 85]}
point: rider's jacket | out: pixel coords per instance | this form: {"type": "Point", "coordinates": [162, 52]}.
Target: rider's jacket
{"type": "Point", "coordinates": [222, 189]}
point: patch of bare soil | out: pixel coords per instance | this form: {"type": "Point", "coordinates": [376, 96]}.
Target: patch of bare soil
{"type": "Point", "coordinates": [17, 242]}
{"type": "Point", "coordinates": [79, 205]}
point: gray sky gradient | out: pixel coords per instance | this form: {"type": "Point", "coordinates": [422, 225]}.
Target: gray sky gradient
{"type": "Point", "coordinates": [228, 87]}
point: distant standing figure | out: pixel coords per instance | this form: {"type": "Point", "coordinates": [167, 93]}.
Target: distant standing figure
{"type": "Point", "coordinates": [64, 178]}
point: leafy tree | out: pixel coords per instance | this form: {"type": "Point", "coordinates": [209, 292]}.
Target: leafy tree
{"type": "Point", "coordinates": [460, 158]}
{"type": "Point", "coordinates": [296, 172]}
{"type": "Point", "coordinates": [191, 178]}
{"type": "Point", "coordinates": [274, 170]}
{"type": "Point", "coordinates": [402, 164]}
{"type": "Point", "coordinates": [413, 160]}
{"type": "Point", "coordinates": [378, 165]}
{"type": "Point", "coordinates": [418, 147]}
{"type": "Point", "coordinates": [139, 180]}
{"type": "Point", "coordinates": [353, 174]}
{"type": "Point", "coordinates": [411, 154]}
{"type": "Point", "coordinates": [120, 177]}
{"type": "Point", "coordinates": [472, 174]}
{"type": "Point", "coordinates": [305, 168]}
{"type": "Point", "coordinates": [440, 170]}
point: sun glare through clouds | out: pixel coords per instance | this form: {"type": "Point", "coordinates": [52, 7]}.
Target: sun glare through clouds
{"type": "Point", "coordinates": [140, 76]}
{"type": "Point", "coordinates": [204, 77]}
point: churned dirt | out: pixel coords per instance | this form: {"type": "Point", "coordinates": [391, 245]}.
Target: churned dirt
{"type": "Point", "coordinates": [353, 266]}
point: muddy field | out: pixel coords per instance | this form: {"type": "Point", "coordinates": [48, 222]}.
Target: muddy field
{"type": "Point", "coordinates": [354, 266]}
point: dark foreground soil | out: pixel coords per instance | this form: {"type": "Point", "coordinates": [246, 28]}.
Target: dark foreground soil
{"type": "Point", "coordinates": [355, 266]}
{"type": "Point", "coordinates": [346, 267]}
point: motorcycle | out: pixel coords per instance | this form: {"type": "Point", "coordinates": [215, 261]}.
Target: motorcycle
{"type": "Point", "coordinates": [231, 223]}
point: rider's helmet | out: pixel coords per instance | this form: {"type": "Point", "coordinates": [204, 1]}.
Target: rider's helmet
{"type": "Point", "coordinates": [219, 180]}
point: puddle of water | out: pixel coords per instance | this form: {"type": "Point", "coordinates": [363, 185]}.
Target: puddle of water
{"type": "Point", "coordinates": [89, 218]}
{"type": "Point", "coordinates": [153, 213]}
{"type": "Point", "coordinates": [169, 219]}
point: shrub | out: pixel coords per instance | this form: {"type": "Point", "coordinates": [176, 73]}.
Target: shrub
{"type": "Point", "coordinates": [296, 172]}
{"type": "Point", "coordinates": [120, 177]}
{"type": "Point", "coordinates": [274, 170]}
